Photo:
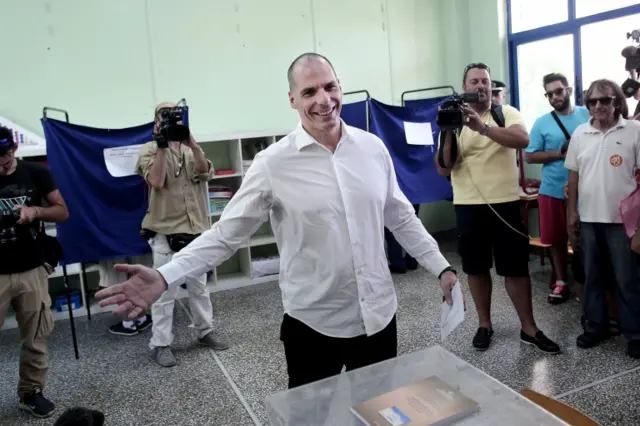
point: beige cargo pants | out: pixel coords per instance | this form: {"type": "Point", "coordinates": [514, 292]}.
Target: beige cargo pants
{"type": "Point", "coordinates": [28, 294]}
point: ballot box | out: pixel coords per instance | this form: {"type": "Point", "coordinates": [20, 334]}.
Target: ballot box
{"type": "Point", "coordinates": [328, 402]}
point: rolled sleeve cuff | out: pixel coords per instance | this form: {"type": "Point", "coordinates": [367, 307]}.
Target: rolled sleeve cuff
{"type": "Point", "coordinates": [434, 262]}
{"type": "Point", "coordinates": [172, 274]}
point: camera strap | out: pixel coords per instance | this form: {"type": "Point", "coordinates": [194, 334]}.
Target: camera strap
{"type": "Point", "coordinates": [564, 130]}
{"type": "Point", "coordinates": [454, 150]}
{"type": "Point", "coordinates": [497, 115]}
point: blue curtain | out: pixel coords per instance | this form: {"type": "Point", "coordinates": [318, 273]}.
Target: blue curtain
{"type": "Point", "coordinates": [355, 114]}
{"type": "Point", "coordinates": [105, 212]}
{"type": "Point", "coordinates": [415, 168]}
{"type": "Point", "coordinates": [425, 103]}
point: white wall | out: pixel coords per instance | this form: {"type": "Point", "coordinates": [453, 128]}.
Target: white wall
{"type": "Point", "coordinates": [109, 63]}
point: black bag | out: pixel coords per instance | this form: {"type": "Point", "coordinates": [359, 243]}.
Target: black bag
{"type": "Point", "coordinates": [567, 136]}
{"type": "Point", "coordinates": [179, 241]}
{"type": "Point", "coordinates": [50, 247]}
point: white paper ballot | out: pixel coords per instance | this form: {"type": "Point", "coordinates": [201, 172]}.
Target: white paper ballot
{"type": "Point", "coordinates": [418, 133]}
{"type": "Point", "coordinates": [121, 161]}
{"type": "Point", "coordinates": [452, 315]}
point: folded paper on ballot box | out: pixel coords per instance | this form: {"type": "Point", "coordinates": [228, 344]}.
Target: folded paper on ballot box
{"type": "Point", "coordinates": [429, 402]}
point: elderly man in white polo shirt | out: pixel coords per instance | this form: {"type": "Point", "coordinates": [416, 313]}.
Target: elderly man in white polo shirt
{"type": "Point", "coordinates": [602, 158]}
{"type": "Point", "coordinates": [330, 190]}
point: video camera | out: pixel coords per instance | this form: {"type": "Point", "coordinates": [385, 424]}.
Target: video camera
{"type": "Point", "coordinates": [450, 116]}
{"type": "Point", "coordinates": [172, 125]}
{"type": "Point", "coordinates": [632, 64]}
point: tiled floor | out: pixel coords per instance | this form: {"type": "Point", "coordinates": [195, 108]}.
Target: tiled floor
{"type": "Point", "coordinates": [115, 376]}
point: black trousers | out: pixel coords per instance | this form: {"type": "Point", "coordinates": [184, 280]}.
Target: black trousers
{"type": "Point", "coordinates": [312, 356]}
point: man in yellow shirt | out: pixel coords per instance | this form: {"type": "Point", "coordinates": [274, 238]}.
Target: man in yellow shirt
{"type": "Point", "coordinates": [486, 196]}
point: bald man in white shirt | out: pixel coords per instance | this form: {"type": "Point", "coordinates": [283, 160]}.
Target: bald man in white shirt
{"type": "Point", "coordinates": [329, 190]}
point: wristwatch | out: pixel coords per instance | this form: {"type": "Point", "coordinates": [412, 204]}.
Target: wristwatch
{"type": "Point", "coordinates": [447, 269]}
{"type": "Point", "coordinates": [485, 131]}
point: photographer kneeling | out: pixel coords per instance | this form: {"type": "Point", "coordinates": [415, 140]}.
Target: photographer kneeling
{"type": "Point", "coordinates": [176, 170]}
{"type": "Point", "coordinates": [486, 195]}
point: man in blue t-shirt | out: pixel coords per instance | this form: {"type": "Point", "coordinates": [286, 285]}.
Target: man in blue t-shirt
{"type": "Point", "coordinates": [548, 144]}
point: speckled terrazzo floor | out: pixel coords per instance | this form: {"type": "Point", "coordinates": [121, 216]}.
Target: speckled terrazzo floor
{"type": "Point", "coordinates": [114, 374]}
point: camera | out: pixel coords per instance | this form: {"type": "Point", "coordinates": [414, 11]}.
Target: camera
{"type": "Point", "coordinates": [450, 116]}
{"type": "Point", "coordinates": [172, 125]}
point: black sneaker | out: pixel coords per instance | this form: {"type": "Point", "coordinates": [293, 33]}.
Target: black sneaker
{"type": "Point", "coordinates": [588, 339]}
{"type": "Point", "coordinates": [412, 264]}
{"type": "Point", "coordinates": [36, 404]}
{"type": "Point", "coordinates": [143, 325]}
{"type": "Point", "coordinates": [482, 339]}
{"type": "Point", "coordinates": [634, 348]}
{"type": "Point", "coordinates": [121, 330]}
{"type": "Point", "coordinates": [396, 270]}
{"type": "Point", "coordinates": [540, 341]}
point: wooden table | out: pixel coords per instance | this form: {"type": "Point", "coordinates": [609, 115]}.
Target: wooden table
{"type": "Point", "coordinates": [328, 402]}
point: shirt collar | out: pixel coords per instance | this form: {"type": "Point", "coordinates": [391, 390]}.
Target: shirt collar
{"type": "Point", "coordinates": [304, 139]}
{"type": "Point", "coordinates": [619, 125]}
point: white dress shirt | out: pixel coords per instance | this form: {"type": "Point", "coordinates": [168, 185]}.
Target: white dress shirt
{"type": "Point", "coordinates": [328, 212]}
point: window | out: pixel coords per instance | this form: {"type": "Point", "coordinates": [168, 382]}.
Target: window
{"type": "Point", "coordinates": [601, 46]}
{"type": "Point", "coordinates": [530, 14]}
{"type": "Point", "coordinates": [591, 7]}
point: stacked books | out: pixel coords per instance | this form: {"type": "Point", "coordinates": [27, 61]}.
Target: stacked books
{"type": "Point", "coordinates": [219, 197]}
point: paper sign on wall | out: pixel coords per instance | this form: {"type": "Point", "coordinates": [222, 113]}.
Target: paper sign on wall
{"type": "Point", "coordinates": [121, 161]}
{"type": "Point", "coordinates": [418, 133]}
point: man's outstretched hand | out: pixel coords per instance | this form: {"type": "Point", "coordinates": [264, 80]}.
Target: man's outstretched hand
{"type": "Point", "coordinates": [134, 296]}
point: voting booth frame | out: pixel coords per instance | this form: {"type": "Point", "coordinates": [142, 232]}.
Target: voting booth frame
{"type": "Point", "coordinates": [231, 155]}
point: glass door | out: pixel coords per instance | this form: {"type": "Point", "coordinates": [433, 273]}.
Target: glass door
{"type": "Point", "coordinates": [535, 60]}
{"type": "Point", "coordinates": [600, 45]}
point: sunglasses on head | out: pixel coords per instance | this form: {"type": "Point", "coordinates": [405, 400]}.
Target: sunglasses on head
{"type": "Point", "coordinates": [605, 100]}
{"type": "Point", "coordinates": [558, 92]}
{"type": "Point", "coordinates": [478, 65]}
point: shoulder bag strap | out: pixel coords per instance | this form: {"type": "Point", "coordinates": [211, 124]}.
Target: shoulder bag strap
{"type": "Point", "coordinates": [564, 130]}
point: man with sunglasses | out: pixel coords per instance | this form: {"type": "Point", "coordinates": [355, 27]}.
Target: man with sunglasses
{"type": "Point", "coordinates": [24, 285]}
{"type": "Point", "coordinates": [548, 143]}
{"type": "Point", "coordinates": [486, 195]}
{"type": "Point", "coordinates": [603, 156]}
{"type": "Point", "coordinates": [177, 172]}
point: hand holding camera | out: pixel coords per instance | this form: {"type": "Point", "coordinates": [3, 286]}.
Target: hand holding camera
{"type": "Point", "coordinates": [171, 126]}
{"type": "Point", "coordinates": [472, 119]}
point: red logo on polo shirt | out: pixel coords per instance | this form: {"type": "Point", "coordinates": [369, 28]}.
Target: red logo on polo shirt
{"type": "Point", "coordinates": [615, 160]}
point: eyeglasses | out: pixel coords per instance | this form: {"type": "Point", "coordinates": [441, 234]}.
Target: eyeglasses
{"type": "Point", "coordinates": [604, 101]}
{"type": "Point", "coordinates": [478, 65]}
{"type": "Point", "coordinates": [558, 92]}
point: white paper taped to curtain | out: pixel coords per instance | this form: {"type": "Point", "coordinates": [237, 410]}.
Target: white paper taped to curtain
{"type": "Point", "coordinates": [121, 161]}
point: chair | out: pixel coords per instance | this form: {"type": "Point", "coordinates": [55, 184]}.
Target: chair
{"type": "Point", "coordinates": [559, 409]}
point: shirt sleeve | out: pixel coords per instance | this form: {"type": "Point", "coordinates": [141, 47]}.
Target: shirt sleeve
{"type": "Point", "coordinates": [571, 158]}
{"type": "Point", "coordinates": [145, 160]}
{"type": "Point", "coordinates": [46, 183]}
{"type": "Point", "coordinates": [401, 219]}
{"type": "Point", "coordinates": [512, 117]}
{"type": "Point", "coordinates": [536, 142]}
{"type": "Point", "coordinates": [248, 209]}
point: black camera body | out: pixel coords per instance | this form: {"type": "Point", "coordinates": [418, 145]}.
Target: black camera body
{"type": "Point", "coordinates": [450, 116]}
{"type": "Point", "coordinates": [171, 126]}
